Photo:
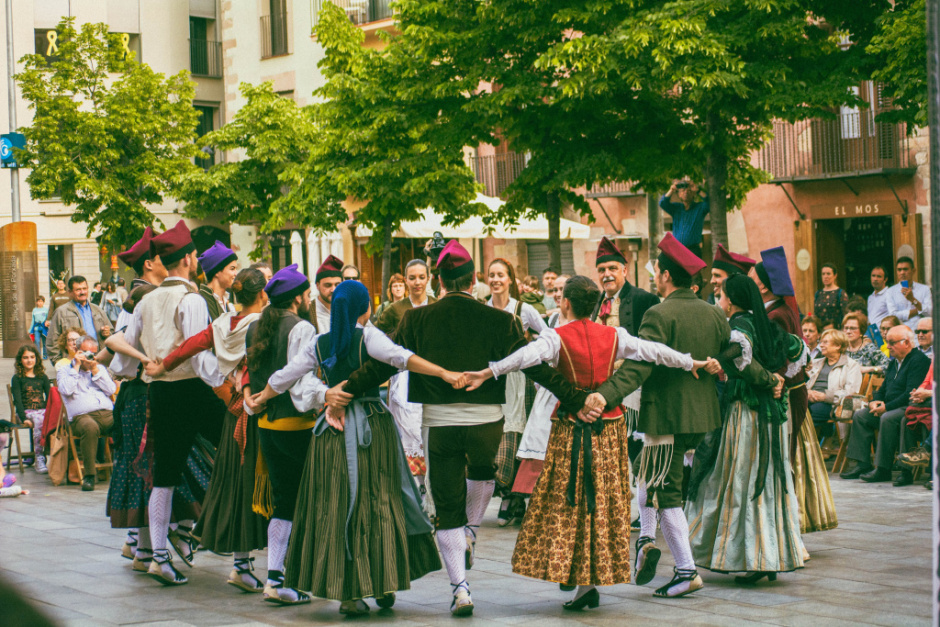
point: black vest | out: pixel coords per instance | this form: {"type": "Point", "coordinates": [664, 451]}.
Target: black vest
{"type": "Point", "coordinates": [354, 359]}
{"type": "Point", "coordinates": [280, 406]}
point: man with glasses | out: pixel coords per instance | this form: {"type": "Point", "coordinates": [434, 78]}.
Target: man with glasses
{"type": "Point", "coordinates": [350, 272]}
{"type": "Point", "coordinates": [906, 371]}
{"type": "Point", "coordinates": [80, 313]}
{"type": "Point", "coordinates": [925, 336]}
{"type": "Point", "coordinates": [908, 300]}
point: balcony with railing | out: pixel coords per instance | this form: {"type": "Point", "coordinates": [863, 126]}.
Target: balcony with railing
{"type": "Point", "coordinates": [497, 172]}
{"type": "Point", "coordinates": [205, 58]}
{"type": "Point", "coordinates": [274, 35]}
{"type": "Point", "coordinates": [616, 188]}
{"type": "Point", "coordinates": [852, 144]}
{"type": "Point", "coordinates": [359, 11]}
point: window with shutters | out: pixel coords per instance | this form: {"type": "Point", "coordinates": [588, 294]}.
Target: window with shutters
{"type": "Point", "coordinates": [539, 259]}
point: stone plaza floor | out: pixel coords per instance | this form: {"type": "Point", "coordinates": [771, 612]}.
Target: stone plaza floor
{"type": "Point", "coordinates": [875, 568]}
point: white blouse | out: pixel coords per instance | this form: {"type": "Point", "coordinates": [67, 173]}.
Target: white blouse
{"type": "Point", "coordinates": [378, 345]}
{"type": "Point", "coordinates": [530, 317]}
{"type": "Point", "coordinates": [547, 348]}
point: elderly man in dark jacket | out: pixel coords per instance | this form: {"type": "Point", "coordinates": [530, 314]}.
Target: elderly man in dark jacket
{"type": "Point", "coordinates": [905, 372]}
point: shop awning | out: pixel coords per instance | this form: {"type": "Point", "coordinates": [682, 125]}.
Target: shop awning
{"type": "Point", "coordinates": [474, 227]}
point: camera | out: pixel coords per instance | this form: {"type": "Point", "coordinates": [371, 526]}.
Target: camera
{"type": "Point", "coordinates": [88, 355]}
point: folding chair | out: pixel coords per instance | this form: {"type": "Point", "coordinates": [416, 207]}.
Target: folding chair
{"type": "Point", "coordinates": [15, 439]}
{"type": "Point", "coordinates": [106, 465]}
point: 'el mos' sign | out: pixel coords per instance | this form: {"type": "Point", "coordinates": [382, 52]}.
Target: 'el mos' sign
{"type": "Point", "coordinates": [856, 209]}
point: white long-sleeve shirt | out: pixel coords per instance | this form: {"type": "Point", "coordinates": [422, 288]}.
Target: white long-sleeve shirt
{"type": "Point", "coordinates": [84, 393]}
{"type": "Point", "coordinates": [302, 366]}
{"type": "Point", "coordinates": [122, 365]}
{"type": "Point", "coordinates": [878, 306]}
{"type": "Point", "coordinates": [899, 306]}
{"type": "Point", "coordinates": [531, 320]}
{"type": "Point", "coordinates": [192, 317]}
{"type": "Point", "coordinates": [547, 348]}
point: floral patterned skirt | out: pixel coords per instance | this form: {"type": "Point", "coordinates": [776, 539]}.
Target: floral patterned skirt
{"type": "Point", "coordinates": [564, 543]}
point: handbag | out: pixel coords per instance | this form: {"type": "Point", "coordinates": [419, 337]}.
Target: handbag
{"type": "Point", "coordinates": [58, 461]}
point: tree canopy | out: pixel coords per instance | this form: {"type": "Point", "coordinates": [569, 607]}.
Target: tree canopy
{"type": "Point", "coordinates": [271, 134]}
{"type": "Point", "coordinates": [900, 52]}
{"type": "Point", "coordinates": [109, 136]}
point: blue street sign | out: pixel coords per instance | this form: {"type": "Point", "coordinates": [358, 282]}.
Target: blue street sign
{"type": "Point", "coordinates": [9, 141]}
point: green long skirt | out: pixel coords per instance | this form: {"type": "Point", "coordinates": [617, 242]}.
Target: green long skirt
{"type": "Point", "coordinates": [384, 557]}
{"type": "Point", "coordinates": [729, 529]}
{"type": "Point", "coordinates": [228, 523]}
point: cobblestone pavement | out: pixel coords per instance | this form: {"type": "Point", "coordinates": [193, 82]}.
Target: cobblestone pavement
{"type": "Point", "coordinates": [56, 544]}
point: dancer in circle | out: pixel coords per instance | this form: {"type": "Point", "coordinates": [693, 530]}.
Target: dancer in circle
{"type": "Point", "coordinates": [228, 523]}
{"type": "Point", "coordinates": [742, 509]}
{"type": "Point", "coordinates": [577, 529]}
{"type": "Point", "coordinates": [360, 528]}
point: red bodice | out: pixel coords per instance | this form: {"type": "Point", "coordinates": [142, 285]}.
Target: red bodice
{"type": "Point", "coordinates": [588, 353]}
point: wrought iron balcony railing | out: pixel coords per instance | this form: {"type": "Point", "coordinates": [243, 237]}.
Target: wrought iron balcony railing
{"type": "Point", "coordinates": [359, 11]}
{"type": "Point", "coordinates": [853, 144]}
{"type": "Point", "coordinates": [205, 58]}
{"type": "Point", "coordinates": [273, 35]}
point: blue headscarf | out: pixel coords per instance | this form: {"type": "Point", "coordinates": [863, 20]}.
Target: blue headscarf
{"type": "Point", "coordinates": [350, 300]}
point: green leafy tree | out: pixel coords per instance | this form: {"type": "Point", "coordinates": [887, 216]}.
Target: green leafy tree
{"type": "Point", "coordinates": [271, 134]}
{"type": "Point", "coordinates": [574, 135]}
{"type": "Point", "coordinates": [900, 51]}
{"type": "Point", "coordinates": [377, 142]}
{"type": "Point", "coordinates": [730, 68]}
{"type": "Point", "coordinates": [109, 136]}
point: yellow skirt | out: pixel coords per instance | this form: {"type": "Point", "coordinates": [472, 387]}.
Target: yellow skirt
{"type": "Point", "coordinates": [811, 480]}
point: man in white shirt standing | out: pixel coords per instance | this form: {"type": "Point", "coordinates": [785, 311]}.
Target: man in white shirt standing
{"type": "Point", "coordinates": [182, 403]}
{"type": "Point", "coordinates": [878, 301]}
{"type": "Point", "coordinates": [908, 300]}
{"type": "Point", "coordinates": [86, 389]}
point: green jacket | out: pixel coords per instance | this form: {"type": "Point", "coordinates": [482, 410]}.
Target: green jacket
{"type": "Point", "coordinates": [673, 401]}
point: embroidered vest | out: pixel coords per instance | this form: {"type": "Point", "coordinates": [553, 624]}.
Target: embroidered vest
{"type": "Point", "coordinates": [587, 356]}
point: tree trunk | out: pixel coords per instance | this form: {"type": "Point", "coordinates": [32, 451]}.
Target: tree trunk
{"type": "Point", "coordinates": [553, 213]}
{"type": "Point", "coordinates": [655, 223]}
{"type": "Point", "coordinates": [386, 257]}
{"type": "Point", "coordinates": [716, 175]}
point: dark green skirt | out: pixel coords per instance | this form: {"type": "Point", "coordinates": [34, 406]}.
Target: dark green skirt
{"type": "Point", "coordinates": [227, 523]}
{"type": "Point", "coordinates": [384, 557]}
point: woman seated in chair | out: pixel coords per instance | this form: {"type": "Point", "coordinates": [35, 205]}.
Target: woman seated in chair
{"type": "Point", "coordinates": [68, 345]}
{"type": "Point", "coordinates": [30, 390]}
{"type": "Point", "coordinates": [832, 378]}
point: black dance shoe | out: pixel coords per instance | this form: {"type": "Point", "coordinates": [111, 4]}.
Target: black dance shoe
{"type": "Point", "coordinates": [589, 599]}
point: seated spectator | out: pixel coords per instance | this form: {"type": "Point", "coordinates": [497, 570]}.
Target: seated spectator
{"type": "Point", "coordinates": [857, 304]}
{"type": "Point", "coordinates": [924, 333]}
{"type": "Point", "coordinates": [920, 411]}
{"type": "Point", "coordinates": [67, 345]}
{"type": "Point", "coordinates": [832, 378]}
{"type": "Point", "coordinates": [86, 389]}
{"type": "Point", "coordinates": [905, 372]}
{"type": "Point", "coordinates": [860, 348]}
{"type": "Point", "coordinates": [812, 326]}
{"type": "Point", "coordinates": [529, 293]}
{"type": "Point", "coordinates": [30, 387]}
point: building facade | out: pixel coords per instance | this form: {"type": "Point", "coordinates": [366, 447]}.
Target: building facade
{"type": "Point", "coordinates": [168, 35]}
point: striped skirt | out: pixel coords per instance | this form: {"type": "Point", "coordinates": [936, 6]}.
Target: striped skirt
{"type": "Point", "coordinates": [384, 557]}
{"type": "Point", "coordinates": [564, 543]}
{"type": "Point", "coordinates": [811, 480]}
{"type": "Point", "coordinates": [729, 529]}
{"type": "Point", "coordinates": [228, 523]}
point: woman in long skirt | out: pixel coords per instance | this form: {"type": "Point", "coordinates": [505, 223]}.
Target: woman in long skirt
{"type": "Point", "coordinates": [742, 509]}
{"type": "Point", "coordinates": [359, 530]}
{"type": "Point", "coordinates": [577, 529]}
{"type": "Point", "coordinates": [228, 523]}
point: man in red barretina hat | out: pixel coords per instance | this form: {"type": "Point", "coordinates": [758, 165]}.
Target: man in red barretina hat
{"type": "Point", "coordinates": [677, 410]}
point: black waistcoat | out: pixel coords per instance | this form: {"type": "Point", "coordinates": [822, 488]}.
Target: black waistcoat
{"type": "Point", "coordinates": [280, 406]}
